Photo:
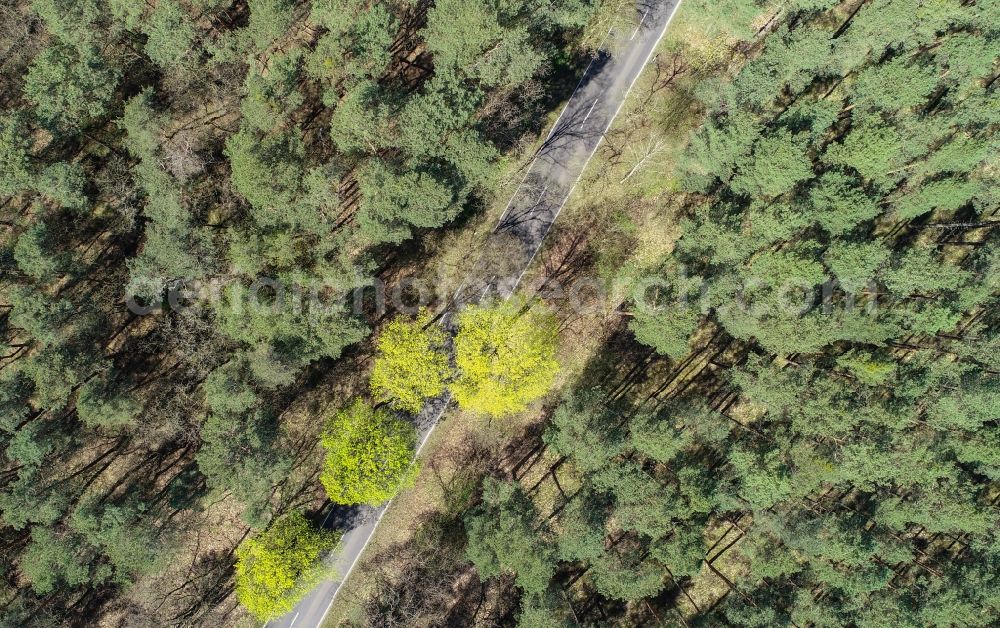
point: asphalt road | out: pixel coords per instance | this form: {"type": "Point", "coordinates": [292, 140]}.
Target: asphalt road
{"type": "Point", "coordinates": [548, 183]}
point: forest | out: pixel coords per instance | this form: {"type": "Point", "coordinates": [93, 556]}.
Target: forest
{"type": "Point", "coordinates": [797, 425]}
{"type": "Point", "coordinates": [164, 454]}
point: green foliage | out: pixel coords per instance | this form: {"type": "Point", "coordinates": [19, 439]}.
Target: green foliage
{"type": "Point", "coordinates": [769, 558]}
{"type": "Point", "coordinates": [921, 271]}
{"type": "Point", "coordinates": [122, 534]}
{"type": "Point", "coordinates": [682, 552]}
{"type": "Point", "coordinates": [70, 87]}
{"type": "Point", "coordinates": [869, 369]}
{"type": "Point", "coordinates": [910, 85]}
{"type": "Point", "coordinates": [28, 446]}
{"type": "Point", "coordinates": [544, 611]}
{"type": "Point", "coordinates": [582, 528]}
{"type": "Point", "coordinates": [668, 323]}
{"type": "Point", "coordinates": [358, 121]}
{"type": "Point", "coordinates": [717, 147]}
{"type": "Point", "coordinates": [506, 536]}
{"type": "Point", "coordinates": [101, 543]}
{"type": "Point", "coordinates": [584, 429]}
{"type": "Point", "coordinates": [285, 328]}
{"type": "Point", "coordinates": [763, 478]}
{"type": "Point", "coordinates": [666, 332]}
{"type": "Point", "coordinates": [74, 22]}
{"type": "Point", "coordinates": [357, 42]}
{"type": "Point", "coordinates": [41, 316]}
{"type": "Point", "coordinates": [127, 12]}
{"type": "Point", "coordinates": [170, 35]}
{"type": "Point", "coordinates": [961, 153]}
{"type": "Point", "coordinates": [228, 389]}
{"type": "Point", "coordinates": [641, 503]}
{"type": "Point", "coordinates": [269, 19]}
{"type": "Point", "coordinates": [63, 183]}
{"type": "Point", "coordinates": [271, 95]}
{"type": "Point", "coordinates": [676, 426]}
{"type": "Point", "coordinates": [35, 253]}
{"type": "Point", "coordinates": [791, 62]}
{"type": "Point", "coordinates": [844, 551]}
{"type": "Point", "coordinates": [239, 454]}
{"type": "Point", "coordinates": [55, 371]}
{"type": "Point", "coordinates": [627, 577]}
{"type": "Point", "coordinates": [856, 263]}
{"type": "Point", "coordinates": [816, 101]}
{"type": "Point", "coordinates": [853, 145]}
{"type": "Point", "coordinates": [772, 298]}
{"type": "Point", "coordinates": [23, 503]}
{"type": "Point", "coordinates": [944, 195]}
{"type": "Point", "coordinates": [840, 204]}
{"type": "Point", "coordinates": [479, 40]}
{"type": "Point", "coordinates": [278, 567]}
{"type": "Point", "coordinates": [267, 171]}
{"type": "Point", "coordinates": [99, 404]}
{"type": "Point", "coordinates": [141, 125]}
{"type": "Point", "coordinates": [420, 153]}
{"type": "Point", "coordinates": [15, 167]}
{"type": "Point", "coordinates": [171, 248]}
{"type": "Point", "coordinates": [873, 149]}
{"type": "Point", "coordinates": [779, 162]}
{"type": "Point", "coordinates": [394, 202]}
{"type": "Point", "coordinates": [369, 455]}
{"type": "Point", "coordinates": [505, 357]}
{"type": "Point", "coordinates": [970, 404]}
{"type": "Point", "coordinates": [179, 144]}
{"type": "Point", "coordinates": [411, 365]}
{"type": "Point", "coordinates": [268, 22]}
{"type": "Point", "coordinates": [51, 558]}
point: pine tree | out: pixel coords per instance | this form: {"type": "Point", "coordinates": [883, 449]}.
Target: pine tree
{"type": "Point", "coordinates": [505, 537]}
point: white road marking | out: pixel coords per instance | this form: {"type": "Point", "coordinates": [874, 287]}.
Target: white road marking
{"type": "Point", "coordinates": [539, 200]}
{"type": "Point", "coordinates": [641, 22]}
{"type": "Point", "coordinates": [293, 620]}
{"type": "Point", "coordinates": [353, 563]}
{"type": "Point", "coordinates": [587, 117]}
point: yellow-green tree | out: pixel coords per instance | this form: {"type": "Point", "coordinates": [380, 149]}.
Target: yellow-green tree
{"type": "Point", "coordinates": [276, 568]}
{"type": "Point", "coordinates": [505, 357]}
{"type": "Point", "coordinates": [368, 455]}
{"type": "Point", "coordinates": [411, 365]}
